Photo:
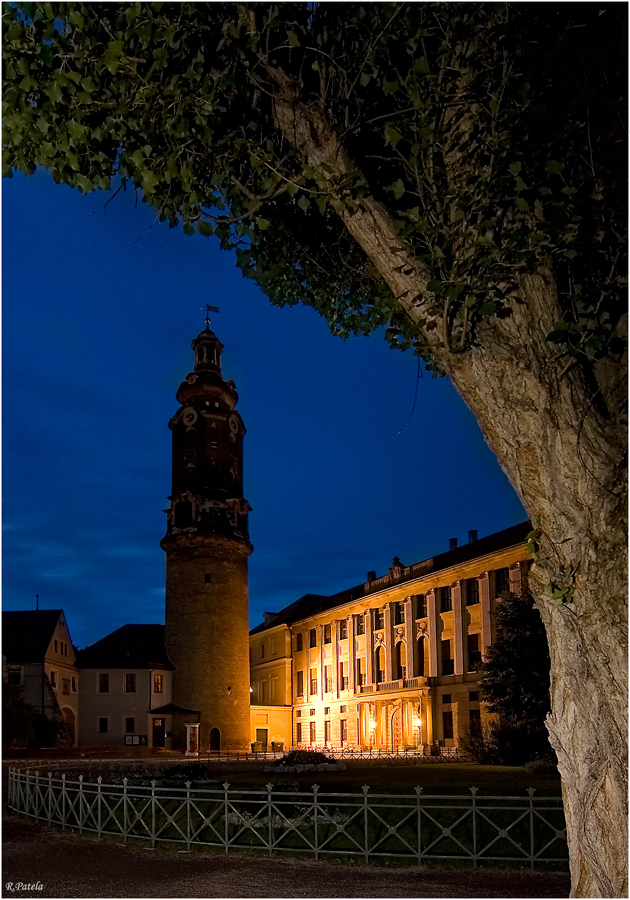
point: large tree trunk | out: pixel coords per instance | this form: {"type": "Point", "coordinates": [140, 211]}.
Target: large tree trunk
{"type": "Point", "coordinates": [558, 433]}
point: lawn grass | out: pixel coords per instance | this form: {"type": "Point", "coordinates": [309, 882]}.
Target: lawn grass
{"type": "Point", "coordinates": [445, 778]}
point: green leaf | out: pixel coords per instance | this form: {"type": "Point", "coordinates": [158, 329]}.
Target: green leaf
{"type": "Point", "coordinates": [397, 188]}
{"type": "Point", "coordinates": [189, 228]}
{"type": "Point", "coordinates": [392, 135]}
{"type": "Point", "coordinates": [515, 168]}
{"type": "Point", "coordinates": [434, 286]}
{"type": "Point", "coordinates": [304, 202]}
{"type": "Point", "coordinates": [338, 205]}
{"type": "Point", "coordinates": [390, 87]}
{"type": "Point", "coordinates": [520, 184]}
{"type": "Point", "coordinates": [205, 228]}
{"type": "Point", "coordinates": [553, 167]}
{"type": "Point", "coordinates": [54, 92]}
{"type": "Point", "coordinates": [365, 79]}
{"type": "Point", "coordinates": [487, 309]}
{"type": "Point", "coordinates": [421, 66]}
{"type": "Point", "coordinates": [293, 39]}
{"type": "Point", "coordinates": [494, 106]}
{"type": "Point", "coordinates": [263, 224]}
{"type": "Point", "coordinates": [521, 204]}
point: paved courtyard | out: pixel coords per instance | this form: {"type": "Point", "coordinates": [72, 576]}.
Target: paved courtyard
{"type": "Point", "coordinates": [67, 865]}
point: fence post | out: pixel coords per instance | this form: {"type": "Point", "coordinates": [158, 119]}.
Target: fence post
{"type": "Point", "coordinates": [63, 801]}
{"type": "Point", "coordinates": [49, 799]}
{"type": "Point", "coordinates": [315, 822]}
{"type": "Point", "coordinates": [226, 806]}
{"type": "Point", "coordinates": [418, 791]}
{"type": "Point", "coordinates": [473, 791]}
{"type": "Point", "coordinates": [531, 791]}
{"type": "Point", "coordinates": [99, 811]}
{"type": "Point", "coordinates": [188, 819]}
{"type": "Point", "coordinates": [269, 823]}
{"type": "Point", "coordinates": [37, 796]}
{"type": "Point", "coordinates": [153, 814]}
{"type": "Point", "coordinates": [80, 804]}
{"type": "Point", "coordinates": [125, 813]}
{"type": "Point", "coordinates": [366, 811]}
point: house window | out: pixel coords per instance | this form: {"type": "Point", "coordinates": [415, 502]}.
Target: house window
{"type": "Point", "coordinates": [446, 599]}
{"type": "Point", "coordinates": [74, 684]}
{"type": "Point", "coordinates": [360, 624]}
{"type": "Point", "coordinates": [158, 684]}
{"type": "Point", "coordinates": [14, 677]}
{"type": "Point", "coordinates": [313, 732]}
{"type": "Point", "coordinates": [312, 637]}
{"type": "Point", "coordinates": [342, 709]}
{"type": "Point", "coordinates": [298, 713]}
{"type": "Point", "coordinates": [399, 614]}
{"type": "Point", "coordinates": [299, 641]}
{"type": "Point", "coordinates": [208, 578]}
{"type": "Point", "coordinates": [474, 652]}
{"type": "Point", "coordinates": [474, 721]}
{"type": "Point", "coordinates": [447, 725]}
{"type": "Point", "coordinates": [379, 619]}
{"type": "Point", "coordinates": [421, 606]}
{"type": "Point", "coordinates": [448, 663]}
{"type": "Point", "coordinates": [327, 731]}
{"type": "Point", "coordinates": [53, 679]}
{"type": "Point", "coordinates": [327, 710]}
{"type": "Point", "coordinates": [472, 591]}
{"type": "Point", "coordinates": [261, 691]}
{"type": "Point", "coordinates": [313, 680]}
{"type": "Point", "coordinates": [103, 725]}
{"type": "Point", "coordinates": [400, 660]}
{"type": "Point", "coordinates": [130, 683]}
{"type": "Point", "coordinates": [380, 664]}
{"type": "Point", "coordinates": [311, 712]}
{"type": "Point", "coordinates": [327, 634]}
{"type": "Point", "coordinates": [343, 676]}
{"type": "Point", "coordinates": [474, 696]}
{"type": "Point", "coordinates": [343, 629]}
{"type": "Point", "coordinates": [130, 725]}
{"type": "Point", "coordinates": [300, 685]}
{"type": "Point", "coordinates": [56, 646]}
{"type": "Point", "coordinates": [361, 673]}
{"type": "Point", "coordinates": [502, 581]}
{"type": "Point", "coordinates": [65, 686]}
{"type": "Point", "coordinates": [344, 730]}
{"type": "Point", "coordinates": [103, 683]}
{"type": "Point", "coordinates": [446, 698]}
{"type": "Point", "coordinates": [262, 651]}
{"type": "Point", "coordinates": [328, 679]}
{"type": "Point", "coordinates": [298, 733]}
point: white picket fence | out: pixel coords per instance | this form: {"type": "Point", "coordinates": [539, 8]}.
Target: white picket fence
{"type": "Point", "coordinates": [413, 828]}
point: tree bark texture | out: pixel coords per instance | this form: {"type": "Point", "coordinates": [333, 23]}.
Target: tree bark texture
{"type": "Point", "coordinates": [561, 441]}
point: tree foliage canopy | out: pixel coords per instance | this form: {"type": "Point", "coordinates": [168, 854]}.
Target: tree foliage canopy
{"type": "Point", "coordinates": [492, 134]}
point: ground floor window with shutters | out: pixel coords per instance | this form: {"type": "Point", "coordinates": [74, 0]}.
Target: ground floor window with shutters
{"type": "Point", "coordinates": [298, 733]}
{"type": "Point", "coordinates": [344, 730]}
{"type": "Point", "coordinates": [327, 731]}
{"type": "Point", "coordinates": [313, 732]}
{"type": "Point", "coordinates": [300, 685]}
{"type": "Point", "coordinates": [447, 724]}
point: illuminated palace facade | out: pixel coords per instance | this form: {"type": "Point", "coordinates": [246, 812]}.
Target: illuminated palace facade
{"type": "Point", "coordinates": [391, 663]}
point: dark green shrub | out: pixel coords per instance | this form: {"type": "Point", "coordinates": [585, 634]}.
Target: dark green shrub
{"type": "Point", "coordinates": [304, 758]}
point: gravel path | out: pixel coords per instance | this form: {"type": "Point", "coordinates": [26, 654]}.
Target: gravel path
{"type": "Point", "coordinates": [69, 865]}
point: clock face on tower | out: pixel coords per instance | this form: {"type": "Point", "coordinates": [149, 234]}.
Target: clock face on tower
{"type": "Point", "coordinates": [233, 424]}
{"type": "Point", "coordinates": [189, 416]}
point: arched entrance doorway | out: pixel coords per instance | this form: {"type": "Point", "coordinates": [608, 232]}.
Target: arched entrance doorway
{"type": "Point", "coordinates": [395, 730]}
{"type": "Point", "coordinates": [69, 719]}
{"type": "Point", "coordinates": [215, 740]}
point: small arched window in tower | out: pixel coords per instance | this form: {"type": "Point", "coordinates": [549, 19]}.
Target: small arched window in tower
{"type": "Point", "coordinates": [183, 514]}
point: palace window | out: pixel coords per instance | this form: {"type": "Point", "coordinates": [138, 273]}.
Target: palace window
{"type": "Point", "coordinates": [262, 691]}
{"type": "Point", "coordinates": [158, 684]}
{"type": "Point", "coordinates": [312, 637]}
{"type": "Point", "coordinates": [342, 709]}
{"type": "Point", "coordinates": [447, 698]}
{"type": "Point", "coordinates": [474, 696]}
{"type": "Point", "coordinates": [298, 733]}
{"type": "Point", "coordinates": [207, 578]}
{"type": "Point", "coordinates": [344, 730]}
{"type": "Point", "coordinates": [299, 641]}
{"type": "Point", "coordinates": [380, 664]}
{"type": "Point", "coordinates": [130, 725]}
{"type": "Point", "coordinates": [446, 599]}
{"type": "Point", "coordinates": [103, 683]}
{"type": "Point", "coordinates": [379, 619]}
{"type": "Point", "coordinates": [327, 634]}
{"type": "Point", "coordinates": [474, 652]}
{"type": "Point", "coordinates": [130, 683]}
{"type": "Point", "coordinates": [399, 614]}
{"type": "Point", "coordinates": [502, 581]}
{"type": "Point", "coordinates": [343, 629]}
{"type": "Point", "coordinates": [360, 620]}
{"type": "Point", "coordinates": [448, 663]}
{"type": "Point", "coordinates": [327, 731]}
{"type": "Point", "coordinates": [474, 721]}
{"type": "Point", "coordinates": [299, 692]}
{"type": "Point", "coordinates": [472, 591]}
{"type": "Point", "coordinates": [313, 680]}
{"type": "Point", "coordinates": [401, 660]}
{"type": "Point", "coordinates": [313, 732]}
{"type": "Point", "coordinates": [328, 679]}
{"type": "Point", "coordinates": [262, 651]}
{"type": "Point", "coordinates": [14, 677]}
{"type": "Point", "coordinates": [343, 676]}
{"type": "Point", "coordinates": [103, 725]}
{"type": "Point", "coordinates": [421, 606]}
{"type": "Point", "coordinates": [361, 673]}
{"type": "Point", "coordinates": [447, 725]}
{"type": "Point", "coordinates": [65, 686]}
{"type": "Point", "coordinates": [74, 684]}
{"type": "Point", "coordinates": [56, 646]}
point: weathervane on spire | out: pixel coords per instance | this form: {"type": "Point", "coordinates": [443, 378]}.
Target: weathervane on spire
{"type": "Point", "coordinates": [208, 310]}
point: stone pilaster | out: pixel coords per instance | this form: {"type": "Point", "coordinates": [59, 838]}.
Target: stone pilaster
{"type": "Point", "coordinates": [434, 633]}
{"type": "Point", "coordinates": [458, 626]}
{"type": "Point", "coordinates": [487, 625]}
{"type": "Point", "coordinates": [352, 656]}
{"type": "Point", "coordinates": [410, 643]}
{"type": "Point", "coordinates": [389, 656]}
{"type": "Point", "coordinates": [369, 646]}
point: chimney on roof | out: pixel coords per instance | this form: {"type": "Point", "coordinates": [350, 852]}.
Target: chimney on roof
{"type": "Point", "coordinates": [269, 618]}
{"type": "Point", "coordinates": [453, 544]}
{"type": "Point", "coordinates": [472, 536]}
{"type": "Point", "coordinates": [371, 577]}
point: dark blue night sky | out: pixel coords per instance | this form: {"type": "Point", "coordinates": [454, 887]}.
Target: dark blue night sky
{"type": "Point", "coordinates": [99, 309]}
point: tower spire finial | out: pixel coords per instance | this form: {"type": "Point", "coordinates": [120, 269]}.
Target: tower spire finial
{"type": "Point", "coordinates": [208, 310]}
{"type": "Point", "coordinates": [36, 601]}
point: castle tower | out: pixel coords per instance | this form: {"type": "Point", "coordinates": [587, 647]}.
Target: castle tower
{"type": "Point", "coordinates": [207, 545]}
